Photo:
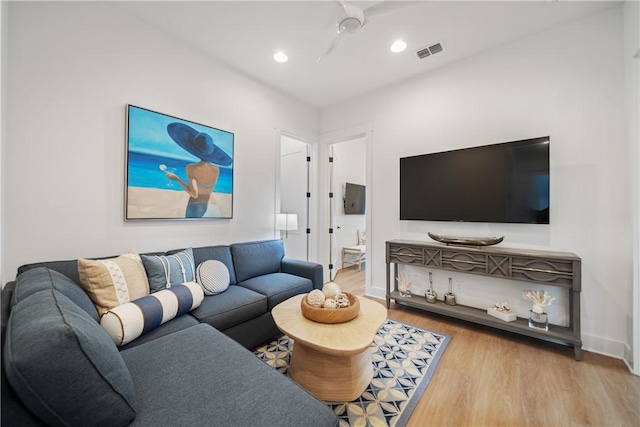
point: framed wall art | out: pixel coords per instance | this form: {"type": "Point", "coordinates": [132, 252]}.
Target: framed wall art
{"type": "Point", "coordinates": [176, 169]}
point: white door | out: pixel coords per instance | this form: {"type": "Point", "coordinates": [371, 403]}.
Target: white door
{"type": "Point", "coordinates": [293, 193]}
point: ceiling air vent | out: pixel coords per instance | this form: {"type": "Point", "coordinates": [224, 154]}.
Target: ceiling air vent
{"type": "Point", "coordinates": [431, 50]}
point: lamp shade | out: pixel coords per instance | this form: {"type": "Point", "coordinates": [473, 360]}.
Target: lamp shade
{"type": "Point", "coordinates": [286, 221]}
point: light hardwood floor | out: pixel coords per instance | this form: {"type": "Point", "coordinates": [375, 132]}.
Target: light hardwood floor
{"type": "Point", "coordinates": [488, 377]}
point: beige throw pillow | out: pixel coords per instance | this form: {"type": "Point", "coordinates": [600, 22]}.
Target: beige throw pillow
{"type": "Point", "coordinates": [114, 281]}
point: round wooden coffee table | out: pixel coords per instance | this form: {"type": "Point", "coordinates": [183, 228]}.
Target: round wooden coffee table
{"type": "Point", "coordinates": [331, 361]}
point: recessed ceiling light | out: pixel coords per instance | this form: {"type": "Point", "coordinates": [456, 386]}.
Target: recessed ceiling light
{"type": "Point", "coordinates": [280, 57]}
{"type": "Point", "coordinates": [398, 46]}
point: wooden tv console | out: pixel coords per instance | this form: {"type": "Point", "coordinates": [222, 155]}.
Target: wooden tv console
{"type": "Point", "coordinates": [559, 269]}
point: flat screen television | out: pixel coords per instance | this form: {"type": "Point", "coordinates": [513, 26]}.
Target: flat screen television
{"type": "Point", "coordinates": [499, 183]}
{"type": "Point", "coordinates": [354, 199]}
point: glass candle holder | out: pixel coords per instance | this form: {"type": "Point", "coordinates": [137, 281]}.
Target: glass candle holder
{"type": "Point", "coordinates": [538, 320]}
{"type": "Point", "coordinates": [404, 290]}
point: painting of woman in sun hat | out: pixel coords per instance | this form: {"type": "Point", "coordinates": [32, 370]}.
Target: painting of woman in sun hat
{"type": "Point", "coordinates": [177, 169]}
{"type": "Point", "coordinates": [203, 175]}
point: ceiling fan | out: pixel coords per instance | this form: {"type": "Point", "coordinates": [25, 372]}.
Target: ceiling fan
{"type": "Point", "coordinates": [349, 21]}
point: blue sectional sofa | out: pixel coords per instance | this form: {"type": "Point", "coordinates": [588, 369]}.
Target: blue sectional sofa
{"type": "Point", "coordinates": [60, 367]}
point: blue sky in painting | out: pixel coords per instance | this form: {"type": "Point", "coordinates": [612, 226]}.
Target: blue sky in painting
{"type": "Point", "coordinates": [147, 134]}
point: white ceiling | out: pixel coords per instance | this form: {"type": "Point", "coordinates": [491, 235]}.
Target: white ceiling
{"type": "Point", "coordinates": [246, 34]}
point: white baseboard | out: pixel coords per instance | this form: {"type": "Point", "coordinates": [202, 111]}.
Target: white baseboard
{"type": "Point", "coordinates": [376, 293]}
{"type": "Point", "coordinates": [603, 346]}
{"type": "Point", "coordinates": [628, 360]}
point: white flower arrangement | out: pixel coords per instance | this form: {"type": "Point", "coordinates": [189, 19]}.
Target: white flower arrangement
{"type": "Point", "coordinates": [404, 280]}
{"type": "Point", "coordinates": [539, 299]}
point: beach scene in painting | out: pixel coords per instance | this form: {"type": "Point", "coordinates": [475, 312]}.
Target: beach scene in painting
{"type": "Point", "coordinates": [177, 168]}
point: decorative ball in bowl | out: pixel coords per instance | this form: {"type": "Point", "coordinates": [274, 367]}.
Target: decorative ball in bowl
{"type": "Point", "coordinates": [331, 315]}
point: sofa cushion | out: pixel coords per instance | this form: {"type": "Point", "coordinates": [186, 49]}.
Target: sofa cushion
{"type": "Point", "coordinates": [220, 253]}
{"type": "Point", "coordinates": [68, 267]}
{"type": "Point", "coordinates": [42, 278]}
{"type": "Point", "coordinates": [114, 281]}
{"type": "Point", "coordinates": [13, 410]}
{"type": "Point", "coordinates": [230, 308]}
{"type": "Point", "coordinates": [164, 271]}
{"type": "Point", "coordinates": [278, 287]}
{"type": "Point", "coordinates": [310, 270]}
{"type": "Point", "coordinates": [257, 258]}
{"type": "Point", "coordinates": [226, 385]}
{"type": "Point", "coordinates": [128, 321]}
{"type": "Point", "coordinates": [173, 325]}
{"type": "Point", "coordinates": [213, 276]}
{"type": "Point", "coordinates": [63, 366]}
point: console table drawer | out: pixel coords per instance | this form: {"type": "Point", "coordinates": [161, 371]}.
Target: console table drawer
{"type": "Point", "coordinates": [557, 272]}
{"type": "Point", "coordinates": [405, 255]}
{"type": "Point", "coordinates": [464, 262]}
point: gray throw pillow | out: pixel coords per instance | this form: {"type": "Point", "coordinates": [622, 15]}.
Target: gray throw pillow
{"type": "Point", "coordinates": [63, 365]}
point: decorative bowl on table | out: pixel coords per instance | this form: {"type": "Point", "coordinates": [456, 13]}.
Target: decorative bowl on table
{"type": "Point", "coordinates": [331, 315]}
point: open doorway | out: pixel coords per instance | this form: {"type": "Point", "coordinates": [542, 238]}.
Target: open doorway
{"type": "Point", "coordinates": [348, 213]}
{"type": "Point", "coordinates": [348, 151]}
{"type": "Point", "coordinates": [328, 254]}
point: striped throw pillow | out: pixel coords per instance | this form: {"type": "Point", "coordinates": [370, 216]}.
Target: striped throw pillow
{"type": "Point", "coordinates": [165, 271]}
{"type": "Point", "coordinates": [213, 276]}
{"type": "Point", "coordinates": [127, 322]}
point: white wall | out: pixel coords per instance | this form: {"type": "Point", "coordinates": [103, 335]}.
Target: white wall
{"type": "Point", "coordinates": [4, 41]}
{"type": "Point", "coordinates": [631, 57]}
{"type": "Point", "coordinates": [549, 84]}
{"type": "Point", "coordinates": [72, 67]}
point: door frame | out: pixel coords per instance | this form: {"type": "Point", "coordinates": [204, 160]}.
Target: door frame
{"type": "Point", "coordinates": [634, 130]}
{"type": "Point", "coordinates": [326, 139]}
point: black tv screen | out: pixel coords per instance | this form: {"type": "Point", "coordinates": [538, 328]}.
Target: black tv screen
{"type": "Point", "coordinates": [501, 183]}
{"type": "Point", "coordinates": [354, 199]}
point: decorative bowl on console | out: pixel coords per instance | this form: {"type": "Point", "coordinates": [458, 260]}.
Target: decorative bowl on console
{"type": "Point", "coordinates": [331, 315]}
{"type": "Point", "coordinates": [467, 241]}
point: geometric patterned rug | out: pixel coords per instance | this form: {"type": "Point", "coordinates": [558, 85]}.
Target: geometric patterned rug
{"type": "Point", "coordinates": [404, 360]}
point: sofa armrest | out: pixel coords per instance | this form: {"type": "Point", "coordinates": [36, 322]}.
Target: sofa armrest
{"type": "Point", "coordinates": [7, 294]}
{"type": "Point", "coordinates": [310, 270]}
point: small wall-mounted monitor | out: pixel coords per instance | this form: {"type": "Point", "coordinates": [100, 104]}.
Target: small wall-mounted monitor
{"type": "Point", "coordinates": [354, 199]}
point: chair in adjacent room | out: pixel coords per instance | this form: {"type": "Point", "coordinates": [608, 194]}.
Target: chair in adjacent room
{"type": "Point", "coordinates": [355, 255]}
